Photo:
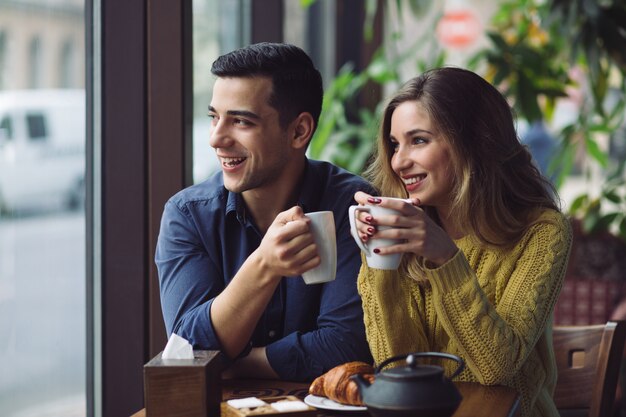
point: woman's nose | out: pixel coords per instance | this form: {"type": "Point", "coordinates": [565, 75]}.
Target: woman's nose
{"type": "Point", "coordinates": [400, 160]}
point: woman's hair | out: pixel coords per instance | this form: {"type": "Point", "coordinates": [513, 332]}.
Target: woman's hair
{"type": "Point", "coordinates": [498, 192]}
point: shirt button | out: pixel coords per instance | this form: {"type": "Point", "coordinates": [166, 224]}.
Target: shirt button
{"type": "Point", "coordinates": [272, 333]}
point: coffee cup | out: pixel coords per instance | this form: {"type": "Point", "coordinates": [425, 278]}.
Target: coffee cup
{"type": "Point", "coordinates": [324, 234]}
{"type": "Point", "coordinates": [376, 260]}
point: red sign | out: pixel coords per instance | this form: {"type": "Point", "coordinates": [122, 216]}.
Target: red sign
{"type": "Point", "coordinates": [458, 28]}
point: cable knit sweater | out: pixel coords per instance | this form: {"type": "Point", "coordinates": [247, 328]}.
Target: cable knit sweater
{"type": "Point", "coordinates": [491, 307]}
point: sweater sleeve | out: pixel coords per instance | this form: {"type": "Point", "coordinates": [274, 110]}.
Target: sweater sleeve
{"type": "Point", "coordinates": [391, 312]}
{"type": "Point", "coordinates": [496, 340]}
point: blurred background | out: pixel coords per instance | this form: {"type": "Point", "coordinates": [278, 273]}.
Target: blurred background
{"type": "Point", "coordinates": [103, 116]}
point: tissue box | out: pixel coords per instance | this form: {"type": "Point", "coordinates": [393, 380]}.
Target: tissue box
{"type": "Point", "coordinates": [183, 387]}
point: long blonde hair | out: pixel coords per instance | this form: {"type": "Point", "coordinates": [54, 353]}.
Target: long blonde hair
{"type": "Point", "coordinates": [498, 191]}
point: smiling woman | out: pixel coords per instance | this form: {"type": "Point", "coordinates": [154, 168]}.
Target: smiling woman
{"type": "Point", "coordinates": [484, 245]}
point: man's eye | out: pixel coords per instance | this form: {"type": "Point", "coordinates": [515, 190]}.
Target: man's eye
{"type": "Point", "coordinates": [242, 122]}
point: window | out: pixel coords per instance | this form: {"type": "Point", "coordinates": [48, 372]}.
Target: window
{"type": "Point", "coordinates": [67, 67]}
{"type": "Point", "coordinates": [6, 128]}
{"type": "Point", "coordinates": [3, 52]}
{"type": "Point", "coordinates": [42, 218]}
{"type": "Point", "coordinates": [36, 123]}
{"type": "Point", "coordinates": [35, 54]}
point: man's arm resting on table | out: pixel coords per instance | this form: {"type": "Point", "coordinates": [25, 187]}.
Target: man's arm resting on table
{"type": "Point", "coordinates": [254, 365]}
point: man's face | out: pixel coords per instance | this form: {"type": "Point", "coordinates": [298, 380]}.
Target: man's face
{"type": "Point", "coordinates": [252, 147]}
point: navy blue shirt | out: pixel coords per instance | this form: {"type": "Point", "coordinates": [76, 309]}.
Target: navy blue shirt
{"type": "Point", "coordinates": [206, 236]}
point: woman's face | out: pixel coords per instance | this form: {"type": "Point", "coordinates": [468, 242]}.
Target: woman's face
{"type": "Point", "coordinates": [421, 155]}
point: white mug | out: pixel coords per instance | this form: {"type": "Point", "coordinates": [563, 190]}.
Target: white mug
{"type": "Point", "coordinates": [324, 234]}
{"type": "Point", "coordinates": [375, 260]}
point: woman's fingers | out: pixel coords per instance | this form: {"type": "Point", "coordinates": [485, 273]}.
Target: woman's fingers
{"type": "Point", "coordinates": [361, 197]}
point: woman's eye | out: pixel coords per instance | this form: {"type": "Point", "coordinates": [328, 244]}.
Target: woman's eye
{"type": "Point", "coordinates": [417, 140]}
{"type": "Point", "coordinates": [394, 146]}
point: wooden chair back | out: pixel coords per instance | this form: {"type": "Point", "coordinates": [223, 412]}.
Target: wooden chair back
{"type": "Point", "coordinates": [588, 360]}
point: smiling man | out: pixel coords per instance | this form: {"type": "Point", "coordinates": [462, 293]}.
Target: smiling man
{"type": "Point", "coordinates": [232, 249]}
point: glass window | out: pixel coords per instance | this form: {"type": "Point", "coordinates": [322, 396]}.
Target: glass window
{"type": "Point", "coordinates": [36, 124]}
{"type": "Point", "coordinates": [222, 26]}
{"type": "Point", "coordinates": [217, 28]}
{"type": "Point", "coordinates": [3, 51]}
{"type": "Point", "coordinates": [67, 74]}
{"type": "Point", "coordinates": [6, 129]}
{"type": "Point", "coordinates": [42, 219]}
{"type": "Point", "coordinates": [36, 61]}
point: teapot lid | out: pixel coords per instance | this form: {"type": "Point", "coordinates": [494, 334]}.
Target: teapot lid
{"type": "Point", "coordinates": [413, 370]}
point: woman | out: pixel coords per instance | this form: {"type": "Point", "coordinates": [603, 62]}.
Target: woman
{"type": "Point", "coordinates": [485, 246]}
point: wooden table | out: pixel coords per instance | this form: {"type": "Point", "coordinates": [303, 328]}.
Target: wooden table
{"type": "Point", "coordinates": [478, 400]}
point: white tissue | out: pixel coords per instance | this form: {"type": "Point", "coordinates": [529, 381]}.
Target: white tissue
{"type": "Point", "coordinates": [177, 348]}
{"type": "Point", "coordinates": [250, 402]}
{"type": "Point", "coordinates": [283, 406]}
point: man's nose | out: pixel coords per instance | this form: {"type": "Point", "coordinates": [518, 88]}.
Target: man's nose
{"type": "Point", "coordinates": [218, 135]}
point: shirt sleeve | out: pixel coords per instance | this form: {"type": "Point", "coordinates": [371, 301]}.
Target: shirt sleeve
{"type": "Point", "coordinates": [513, 327]}
{"type": "Point", "coordinates": [340, 333]}
{"type": "Point", "coordinates": [189, 279]}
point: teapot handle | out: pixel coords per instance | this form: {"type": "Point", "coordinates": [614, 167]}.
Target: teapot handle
{"type": "Point", "coordinates": [410, 359]}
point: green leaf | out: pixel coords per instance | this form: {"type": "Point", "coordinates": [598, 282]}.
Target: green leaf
{"type": "Point", "coordinates": [622, 228]}
{"type": "Point", "coordinates": [578, 203]}
{"type": "Point", "coordinates": [594, 150]}
{"type": "Point", "coordinates": [604, 222]}
{"type": "Point", "coordinates": [612, 196]}
{"type": "Point", "coordinates": [307, 3]}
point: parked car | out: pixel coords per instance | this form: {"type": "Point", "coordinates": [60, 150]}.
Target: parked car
{"type": "Point", "coordinates": [42, 149]}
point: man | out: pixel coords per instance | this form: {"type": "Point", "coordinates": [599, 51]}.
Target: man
{"type": "Point", "coordinates": [231, 250]}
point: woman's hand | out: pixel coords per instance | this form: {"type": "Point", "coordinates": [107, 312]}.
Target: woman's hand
{"type": "Point", "coordinates": [419, 233]}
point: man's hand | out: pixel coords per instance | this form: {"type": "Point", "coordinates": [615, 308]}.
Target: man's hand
{"type": "Point", "coordinates": [288, 248]}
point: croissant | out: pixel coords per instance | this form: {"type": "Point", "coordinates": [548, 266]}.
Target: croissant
{"type": "Point", "coordinates": [337, 385]}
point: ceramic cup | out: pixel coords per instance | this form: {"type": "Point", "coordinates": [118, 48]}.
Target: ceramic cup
{"type": "Point", "coordinates": [323, 229]}
{"type": "Point", "coordinates": [375, 260]}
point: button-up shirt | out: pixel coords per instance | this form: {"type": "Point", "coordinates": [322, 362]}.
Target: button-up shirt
{"type": "Point", "coordinates": [206, 235]}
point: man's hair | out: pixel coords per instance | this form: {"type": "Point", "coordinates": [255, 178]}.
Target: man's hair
{"type": "Point", "coordinates": [296, 83]}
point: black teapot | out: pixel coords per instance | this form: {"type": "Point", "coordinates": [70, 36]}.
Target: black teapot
{"type": "Point", "coordinates": [411, 390]}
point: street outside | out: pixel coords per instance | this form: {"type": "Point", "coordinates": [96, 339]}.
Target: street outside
{"type": "Point", "coordinates": [42, 315]}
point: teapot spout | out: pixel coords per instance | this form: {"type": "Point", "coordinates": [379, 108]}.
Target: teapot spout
{"type": "Point", "coordinates": [362, 383]}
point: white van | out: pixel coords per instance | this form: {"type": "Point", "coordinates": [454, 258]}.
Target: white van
{"type": "Point", "coordinates": [42, 149]}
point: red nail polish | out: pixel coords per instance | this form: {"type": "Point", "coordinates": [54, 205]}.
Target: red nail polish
{"type": "Point", "coordinates": [368, 219]}
{"type": "Point", "coordinates": [376, 250]}
{"type": "Point", "coordinates": [370, 230]}
{"type": "Point", "coordinates": [374, 200]}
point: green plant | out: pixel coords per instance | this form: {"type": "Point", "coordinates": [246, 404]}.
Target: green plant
{"type": "Point", "coordinates": [534, 44]}
{"type": "Point", "coordinates": [607, 211]}
{"type": "Point", "coordinates": [347, 130]}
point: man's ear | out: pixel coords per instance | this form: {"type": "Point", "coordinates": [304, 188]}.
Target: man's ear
{"type": "Point", "coordinates": [303, 128]}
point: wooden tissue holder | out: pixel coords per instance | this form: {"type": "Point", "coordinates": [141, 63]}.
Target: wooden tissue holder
{"type": "Point", "coordinates": [184, 387]}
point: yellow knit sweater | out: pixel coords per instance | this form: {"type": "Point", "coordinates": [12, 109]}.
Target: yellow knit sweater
{"type": "Point", "coordinates": [491, 307]}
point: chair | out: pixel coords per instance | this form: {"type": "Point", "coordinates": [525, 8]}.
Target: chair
{"type": "Point", "coordinates": [588, 359]}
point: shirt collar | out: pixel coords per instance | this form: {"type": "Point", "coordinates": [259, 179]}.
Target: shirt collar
{"type": "Point", "coordinates": [309, 198]}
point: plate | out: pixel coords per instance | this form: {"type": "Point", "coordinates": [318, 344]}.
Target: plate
{"type": "Point", "coordinates": [327, 404]}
